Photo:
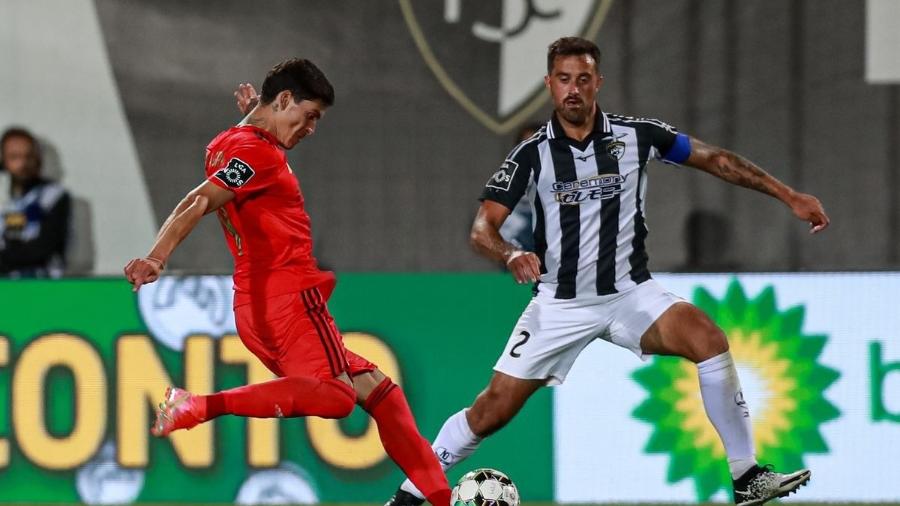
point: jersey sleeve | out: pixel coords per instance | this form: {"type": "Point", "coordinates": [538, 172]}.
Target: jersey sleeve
{"type": "Point", "coordinates": [668, 144]}
{"type": "Point", "coordinates": [510, 182]}
{"type": "Point", "coordinates": [245, 169]}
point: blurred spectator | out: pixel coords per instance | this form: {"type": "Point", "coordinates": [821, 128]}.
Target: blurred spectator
{"type": "Point", "coordinates": [707, 238]}
{"type": "Point", "coordinates": [34, 214]}
{"type": "Point", "coordinates": [517, 229]}
{"type": "Point", "coordinates": [4, 185]}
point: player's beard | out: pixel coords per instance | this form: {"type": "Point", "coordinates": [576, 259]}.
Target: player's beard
{"type": "Point", "coordinates": [574, 115]}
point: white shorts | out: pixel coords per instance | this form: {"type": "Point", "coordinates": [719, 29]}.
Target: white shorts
{"type": "Point", "coordinates": [551, 332]}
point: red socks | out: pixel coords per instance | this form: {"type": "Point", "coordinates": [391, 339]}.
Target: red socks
{"type": "Point", "coordinates": [439, 498]}
{"type": "Point", "coordinates": [304, 396]}
{"type": "Point", "coordinates": [283, 397]}
{"type": "Point", "coordinates": [402, 441]}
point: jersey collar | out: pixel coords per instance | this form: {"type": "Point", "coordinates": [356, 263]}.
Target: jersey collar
{"type": "Point", "coordinates": [555, 129]}
{"type": "Point", "coordinates": [262, 133]}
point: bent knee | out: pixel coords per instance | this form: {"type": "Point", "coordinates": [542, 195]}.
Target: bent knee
{"type": "Point", "coordinates": [341, 409]}
{"type": "Point", "coordinates": [713, 342]}
{"type": "Point", "coordinates": [339, 400]}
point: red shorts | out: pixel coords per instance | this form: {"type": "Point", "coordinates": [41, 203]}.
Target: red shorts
{"type": "Point", "coordinates": [294, 335]}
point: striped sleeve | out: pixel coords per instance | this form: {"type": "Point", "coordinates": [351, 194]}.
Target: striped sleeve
{"type": "Point", "coordinates": [508, 184]}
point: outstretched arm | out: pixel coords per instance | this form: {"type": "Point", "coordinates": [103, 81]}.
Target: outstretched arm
{"type": "Point", "coordinates": [203, 199]}
{"type": "Point", "coordinates": [736, 169]}
{"type": "Point", "coordinates": [486, 240]}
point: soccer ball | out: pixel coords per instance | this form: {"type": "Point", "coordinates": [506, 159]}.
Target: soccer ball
{"type": "Point", "coordinates": [484, 487]}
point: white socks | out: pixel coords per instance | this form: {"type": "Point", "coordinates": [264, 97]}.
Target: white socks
{"type": "Point", "coordinates": [453, 444]}
{"type": "Point", "coordinates": [726, 409]}
{"type": "Point", "coordinates": [722, 397]}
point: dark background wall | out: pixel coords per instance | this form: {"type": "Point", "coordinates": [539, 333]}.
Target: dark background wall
{"type": "Point", "coordinates": [392, 175]}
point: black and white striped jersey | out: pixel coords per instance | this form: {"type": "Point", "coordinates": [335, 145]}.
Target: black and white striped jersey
{"type": "Point", "coordinates": [588, 200]}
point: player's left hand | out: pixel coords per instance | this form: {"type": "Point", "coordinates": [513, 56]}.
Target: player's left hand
{"type": "Point", "coordinates": [141, 271]}
{"type": "Point", "coordinates": [809, 209]}
{"type": "Point", "coordinates": [246, 98]}
{"type": "Point", "coordinates": [525, 266]}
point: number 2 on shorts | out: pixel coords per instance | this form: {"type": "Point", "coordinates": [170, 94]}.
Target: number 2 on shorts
{"type": "Point", "coordinates": [512, 352]}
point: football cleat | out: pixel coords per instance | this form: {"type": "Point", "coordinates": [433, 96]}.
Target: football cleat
{"type": "Point", "coordinates": [180, 410]}
{"type": "Point", "coordinates": [761, 484]}
{"type": "Point", "coordinates": [403, 498]}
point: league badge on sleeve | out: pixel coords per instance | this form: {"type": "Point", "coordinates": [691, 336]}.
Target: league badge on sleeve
{"type": "Point", "coordinates": [502, 179]}
{"type": "Point", "coordinates": [236, 174]}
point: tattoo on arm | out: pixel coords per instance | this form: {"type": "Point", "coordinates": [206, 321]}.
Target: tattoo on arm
{"type": "Point", "coordinates": [738, 170]}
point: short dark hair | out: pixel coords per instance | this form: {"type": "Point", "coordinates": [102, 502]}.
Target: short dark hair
{"type": "Point", "coordinates": [24, 134]}
{"type": "Point", "coordinates": [572, 46]}
{"type": "Point", "coordinates": [299, 76]}
{"type": "Point", "coordinates": [17, 132]}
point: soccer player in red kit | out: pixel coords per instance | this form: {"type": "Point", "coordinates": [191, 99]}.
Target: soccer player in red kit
{"type": "Point", "coordinates": [280, 293]}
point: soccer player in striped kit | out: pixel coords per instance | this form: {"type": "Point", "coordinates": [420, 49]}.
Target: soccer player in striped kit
{"type": "Point", "coordinates": [280, 293]}
{"type": "Point", "coordinates": [587, 170]}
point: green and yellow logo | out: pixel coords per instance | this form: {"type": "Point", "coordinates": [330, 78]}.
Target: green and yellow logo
{"type": "Point", "coordinates": [781, 379]}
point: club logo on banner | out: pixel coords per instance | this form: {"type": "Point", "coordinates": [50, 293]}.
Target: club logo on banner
{"type": "Point", "coordinates": [782, 382]}
{"type": "Point", "coordinates": [504, 85]}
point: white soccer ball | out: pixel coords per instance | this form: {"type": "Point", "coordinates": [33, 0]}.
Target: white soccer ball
{"type": "Point", "coordinates": [484, 487]}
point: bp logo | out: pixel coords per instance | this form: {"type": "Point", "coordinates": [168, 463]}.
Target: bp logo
{"type": "Point", "coordinates": [503, 85]}
{"type": "Point", "coordinates": [783, 384]}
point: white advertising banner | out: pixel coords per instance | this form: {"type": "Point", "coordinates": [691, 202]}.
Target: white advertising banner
{"type": "Point", "coordinates": [819, 362]}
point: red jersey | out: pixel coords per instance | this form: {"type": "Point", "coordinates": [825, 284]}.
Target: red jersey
{"type": "Point", "coordinates": [265, 225]}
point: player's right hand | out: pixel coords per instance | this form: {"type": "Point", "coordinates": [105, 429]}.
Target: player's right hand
{"type": "Point", "coordinates": [525, 266]}
{"type": "Point", "coordinates": [141, 271]}
{"type": "Point", "coordinates": [246, 98]}
{"type": "Point", "coordinates": [809, 209]}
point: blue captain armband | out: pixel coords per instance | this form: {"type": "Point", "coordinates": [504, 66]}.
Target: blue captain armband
{"type": "Point", "coordinates": [680, 150]}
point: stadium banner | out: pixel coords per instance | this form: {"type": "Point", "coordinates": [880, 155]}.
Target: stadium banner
{"type": "Point", "coordinates": [819, 361]}
{"type": "Point", "coordinates": [82, 362]}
